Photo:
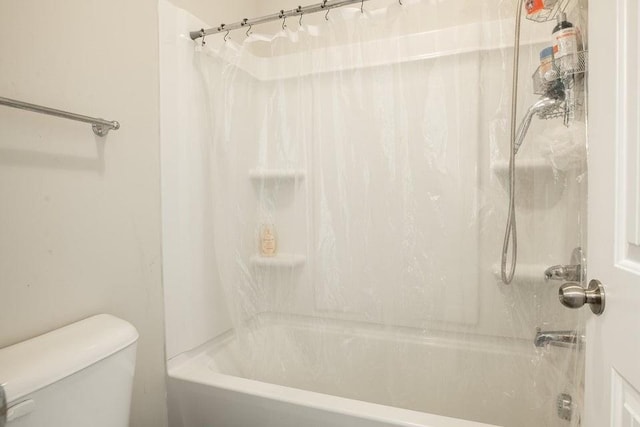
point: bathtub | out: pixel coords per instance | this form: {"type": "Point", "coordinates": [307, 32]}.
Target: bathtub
{"type": "Point", "coordinates": [283, 371]}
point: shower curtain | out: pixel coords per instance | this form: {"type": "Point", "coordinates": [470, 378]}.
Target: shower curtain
{"type": "Point", "coordinates": [361, 160]}
{"type": "Point", "coordinates": [368, 144]}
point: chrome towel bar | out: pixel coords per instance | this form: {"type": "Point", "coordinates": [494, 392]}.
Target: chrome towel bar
{"type": "Point", "coordinates": [100, 127]}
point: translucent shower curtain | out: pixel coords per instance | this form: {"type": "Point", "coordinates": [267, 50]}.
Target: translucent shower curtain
{"type": "Point", "coordinates": [368, 149]}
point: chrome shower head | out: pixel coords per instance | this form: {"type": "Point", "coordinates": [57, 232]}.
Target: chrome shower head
{"type": "Point", "coordinates": [545, 104]}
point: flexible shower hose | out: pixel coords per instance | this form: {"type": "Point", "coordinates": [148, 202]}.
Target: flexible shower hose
{"type": "Point", "coordinates": [510, 234]}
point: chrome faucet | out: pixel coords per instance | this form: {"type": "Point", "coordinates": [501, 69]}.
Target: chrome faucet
{"type": "Point", "coordinates": [558, 338]}
{"type": "Point", "coordinates": [574, 272]}
{"type": "Point", "coordinates": [567, 273]}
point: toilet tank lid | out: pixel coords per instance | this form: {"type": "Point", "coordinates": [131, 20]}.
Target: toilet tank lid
{"type": "Point", "coordinates": [41, 361]}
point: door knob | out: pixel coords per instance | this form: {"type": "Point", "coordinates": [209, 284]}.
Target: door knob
{"type": "Point", "coordinates": [573, 295]}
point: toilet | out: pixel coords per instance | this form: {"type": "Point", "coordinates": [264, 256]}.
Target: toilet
{"type": "Point", "coordinates": [80, 375]}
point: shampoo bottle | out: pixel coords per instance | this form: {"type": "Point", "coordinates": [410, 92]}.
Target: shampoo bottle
{"type": "Point", "coordinates": [565, 45]}
{"type": "Point", "coordinates": [268, 244]}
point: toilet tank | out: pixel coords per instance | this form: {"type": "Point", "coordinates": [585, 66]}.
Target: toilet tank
{"type": "Point", "coordinates": [80, 375]}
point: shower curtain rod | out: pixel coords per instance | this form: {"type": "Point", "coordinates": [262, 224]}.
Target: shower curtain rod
{"type": "Point", "coordinates": [326, 5]}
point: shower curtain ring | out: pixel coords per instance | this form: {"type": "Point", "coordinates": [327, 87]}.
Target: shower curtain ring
{"type": "Point", "coordinates": [299, 10]}
{"type": "Point", "coordinates": [284, 19]}
{"type": "Point", "coordinates": [362, 7]}
{"type": "Point", "coordinates": [323, 5]}
{"type": "Point", "coordinates": [226, 36]}
{"type": "Point", "coordinates": [245, 22]}
{"type": "Point", "coordinates": [221, 28]}
{"type": "Point", "coordinates": [203, 34]}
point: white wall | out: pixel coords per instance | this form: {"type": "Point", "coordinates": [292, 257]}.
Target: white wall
{"type": "Point", "coordinates": [219, 11]}
{"type": "Point", "coordinates": [79, 215]}
{"type": "Point", "coordinates": [195, 310]}
{"type": "Point", "coordinates": [456, 12]}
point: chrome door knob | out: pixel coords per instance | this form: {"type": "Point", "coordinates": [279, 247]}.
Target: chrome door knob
{"type": "Point", "coordinates": [573, 295]}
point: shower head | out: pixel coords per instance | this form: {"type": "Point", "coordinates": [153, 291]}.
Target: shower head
{"type": "Point", "coordinates": [544, 104]}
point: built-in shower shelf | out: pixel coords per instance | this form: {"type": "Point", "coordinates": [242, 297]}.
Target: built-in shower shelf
{"type": "Point", "coordinates": [524, 272]}
{"type": "Point", "coordinates": [539, 184]}
{"type": "Point", "coordinates": [278, 261]}
{"type": "Point", "coordinates": [276, 175]}
{"type": "Point", "coordinates": [528, 171]}
{"type": "Point", "coordinates": [501, 167]}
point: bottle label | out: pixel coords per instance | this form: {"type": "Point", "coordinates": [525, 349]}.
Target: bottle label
{"type": "Point", "coordinates": [534, 6]}
{"type": "Point", "coordinates": [565, 49]}
{"type": "Point", "coordinates": [268, 246]}
{"type": "Point", "coordinates": [546, 61]}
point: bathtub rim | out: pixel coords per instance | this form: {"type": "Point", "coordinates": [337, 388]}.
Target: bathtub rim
{"type": "Point", "coordinates": [195, 366]}
{"type": "Point", "coordinates": [198, 366]}
{"type": "Point", "coordinates": [199, 373]}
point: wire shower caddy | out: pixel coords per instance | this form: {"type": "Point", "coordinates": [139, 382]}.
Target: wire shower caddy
{"type": "Point", "coordinates": [566, 74]}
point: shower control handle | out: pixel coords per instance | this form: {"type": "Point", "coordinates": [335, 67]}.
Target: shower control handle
{"type": "Point", "coordinates": [573, 295]}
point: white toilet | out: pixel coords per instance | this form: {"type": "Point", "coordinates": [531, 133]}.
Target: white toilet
{"type": "Point", "coordinates": [78, 376]}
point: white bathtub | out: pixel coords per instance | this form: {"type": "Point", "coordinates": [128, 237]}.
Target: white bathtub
{"type": "Point", "coordinates": [303, 372]}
